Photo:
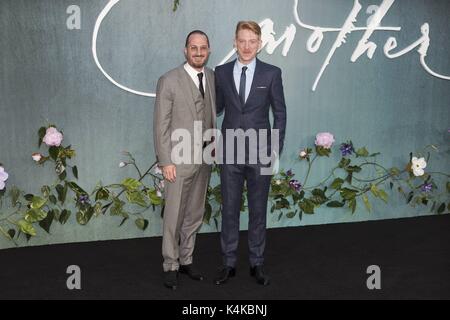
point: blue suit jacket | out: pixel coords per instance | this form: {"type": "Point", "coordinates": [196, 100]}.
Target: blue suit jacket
{"type": "Point", "coordinates": [266, 91]}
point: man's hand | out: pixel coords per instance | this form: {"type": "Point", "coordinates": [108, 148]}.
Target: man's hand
{"type": "Point", "coordinates": [170, 172]}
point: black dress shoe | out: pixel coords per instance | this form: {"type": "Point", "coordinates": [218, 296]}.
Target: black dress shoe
{"type": "Point", "coordinates": [261, 277]}
{"type": "Point", "coordinates": [171, 279]}
{"type": "Point", "coordinates": [224, 274]}
{"type": "Point", "coordinates": [190, 270]}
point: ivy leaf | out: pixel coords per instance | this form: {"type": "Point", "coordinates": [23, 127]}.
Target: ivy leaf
{"type": "Point", "coordinates": [136, 197]}
{"type": "Point", "coordinates": [37, 202]}
{"type": "Point", "coordinates": [142, 223]}
{"type": "Point", "coordinates": [62, 192]}
{"type": "Point", "coordinates": [337, 184]}
{"type": "Point", "coordinates": [208, 212]}
{"type": "Point", "coordinates": [35, 215]}
{"type": "Point", "coordinates": [307, 206]}
{"type": "Point", "coordinates": [75, 172]}
{"type": "Point", "coordinates": [42, 131]}
{"type": "Point", "coordinates": [344, 162]}
{"type": "Point", "coordinates": [131, 184]}
{"type": "Point", "coordinates": [65, 214]}
{"type": "Point", "coordinates": [352, 205]}
{"type": "Point", "coordinates": [335, 204]}
{"type": "Point", "coordinates": [76, 188]}
{"type": "Point", "coordinates": [441, 208]}
{"type": "Point", "coordinates": [26, 228]}
{"type": "Point", "coordinates": [367, 203]}
{"type": "Point", "coordinates": [11, 233]}
{"type": "Point", "coordinates": [383, 195]}
{"type": "Point", "coordinates": [102, 194]}
{"type": "Point", "coordinates": [290, 214]}
{"type": "Point", "coordinates": [362, 152]}
{"type": "Point", "coordinates": [54, 152]}
{"type": "Point", "coordinates": [47, 222]}
{"type": "Point", "coordinates": [83, 216]}
{"type": "Point", "coordinates": [348, 194]}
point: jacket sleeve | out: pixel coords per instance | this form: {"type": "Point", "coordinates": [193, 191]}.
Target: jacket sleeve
{"type": "Point", "coordinates": [278, 106]}
{"type": "Point", "coordinates": [162, 119]}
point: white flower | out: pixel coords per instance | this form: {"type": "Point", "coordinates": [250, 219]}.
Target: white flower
{"type": "Point", "coordinates": [157, 170]}
{"type": "Point", "coordinates": [122, 164]}
{"type": "Point", "coordinates": [36, 157]}
{"type": "Point", "coordinates": [418, 164]}
{"type": "Point", "coordinates": [303, 154]}
{"type": "Point", "coordinates": [278, 182]}
{"type": "Point", "coordinates": [159, 194]}
{"type": "Point", "coordinates": [3, 177]}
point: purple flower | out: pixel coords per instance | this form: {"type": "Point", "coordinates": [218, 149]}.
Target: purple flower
{"type": "Point", "coordinates": [426, 187]}
{"type": "Point", "coordinates": [289, 173]}
{"type": "Point", "coordinates": [294, 184]}
{"type": "Point", "coordinates": [346, 149]}
{"type": "Point", "coordinates": [83, 199]}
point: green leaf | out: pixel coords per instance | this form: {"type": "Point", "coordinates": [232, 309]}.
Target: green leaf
{"type": "Point", "coordinates": [367, 203]}
{"type": "Point", "coordinates": [12, 233]}
{"type": "Point", "coordinates": [83, 216]}
{"type": "Point", "coordinates": [280, 215]}
{"type": "Point", "coordinates": [47, 222]}
{"type": "Point", "coordinates": [335, 204]}
{"type": "Point", "coordinates": [76, 188]}
{"type": "Point", "coordinates": [153, 196]}
{"type": "Point", "coordinates": [75, 172]}
{"type": "Point", "coordinates": [54, 152]}
{"type": "Point", "coordinates": [362, 152]}
{"type": "Point", "coordinates": [102, 194]}
{"type": "Point", "coordinates": [208, 212]}
{"type": "Point", "coordinates": [351, 169]}
{"type": "Point", "coordinates": [344, 162]}
{"type": "Point", "coordinates": [352, 205]}
{"type": "Point", "coordinates": [375, 191]}
{"type": "Point", "coordinates": [394, 171]}
{"type": "Point", "coordinates": [29, 197]}
{"type": "Point", "coordinates": [318, 197]}
{"type": "Point", "coordinates": [307, 206]}
{"type": "Point", "coordinates": [53, 199]}
{"type": "Point", "coordinates": [123, 221]}
{"type": "Point", "coordinates": [63, 176]}
{"type": "Point", "coordinates": [26, 228]}
{"type": "Point", "coordinates": [142, 223]}
{"type": "Point", "coordinates": [65, 214]}
{"type": "Point", "coordinates": [290, 214]}
{"type": "Point", "coordinates": [321, 151]}
{"type": "Point", "coordinates": [337, 184]}
{"type": "Point", "coordinates": [35, 215]}
{"type": "Point", "coordinates": [131, 184]}
{"type": "Point", "coordinates": [441, 208]}
{"type": "Point", "coordinates": [410, 196]}
{"type": "Point", "coordinates": [348, 194]}
{"type": "Point", "coordinates": [42, 131]}
{"type": "Point", "coordinates": [45, 190]}
{"type": "Point", "coordinates": [37, 202]}
{"type": "Point", "coordinates": [383, 195]}
{"type": "Point", "coordinates": [62, 192]}
{"type": "Point", "coordinates": [136, 197]}
{"type": "Point", "coordinates": [14, 193]}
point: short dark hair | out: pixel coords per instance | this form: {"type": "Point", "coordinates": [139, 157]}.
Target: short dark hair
{"type": "Point", "coordinates": [196, 32]}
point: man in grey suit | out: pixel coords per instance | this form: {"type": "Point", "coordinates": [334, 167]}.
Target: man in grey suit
{"type": "Point", "coordinates": [185, 102]}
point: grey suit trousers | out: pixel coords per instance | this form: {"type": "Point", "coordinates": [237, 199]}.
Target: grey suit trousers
{"type": "Point", "coordinates": [183, 216]}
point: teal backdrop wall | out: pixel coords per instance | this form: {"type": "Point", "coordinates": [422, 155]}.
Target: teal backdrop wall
{"type": "Point", "coordinates": [392, 106]}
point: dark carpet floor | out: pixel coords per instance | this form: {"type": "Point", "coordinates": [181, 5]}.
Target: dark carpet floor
{"type": "Point", "coordinates": [312, 262]}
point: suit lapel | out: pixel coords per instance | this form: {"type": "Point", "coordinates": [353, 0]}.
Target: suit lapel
{"type": "Point", "coordinates": [256, 75]}
{"type": "Point", "coordinates": [212, 98]}
{"type": "Point", "coordinates": [184, 81]}
{"type": "Point", "coordinates": [230, 80]}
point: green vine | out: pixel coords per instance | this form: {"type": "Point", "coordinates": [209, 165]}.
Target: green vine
{"type": "Point", "coordinates": [347, 185]}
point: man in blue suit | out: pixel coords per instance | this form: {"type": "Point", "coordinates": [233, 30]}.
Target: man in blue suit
{"type": "Point", "coordinates": [246, 88]}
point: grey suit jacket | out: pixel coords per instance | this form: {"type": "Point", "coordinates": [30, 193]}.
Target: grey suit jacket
{"type": "Point", "coordinates": [175, 108]}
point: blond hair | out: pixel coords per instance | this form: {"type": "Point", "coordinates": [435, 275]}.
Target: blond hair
{"type": "Point", "coordinates": [248, 25]}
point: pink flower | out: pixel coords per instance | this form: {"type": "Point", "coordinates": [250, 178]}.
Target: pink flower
{"type": "Point", "coordinates": [324, 139]}
{"type": "Point", "coordinates": [53, 137]}
{"type": "Point", "coordinates": [36, 157]}
{"type": "Point", "coordinates": [3, 177]}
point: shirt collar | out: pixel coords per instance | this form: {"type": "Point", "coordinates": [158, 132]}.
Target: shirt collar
{"type": "Point", "coordinates": [251, 66]}
{"type": "Point", "coordinates": [192, 71]}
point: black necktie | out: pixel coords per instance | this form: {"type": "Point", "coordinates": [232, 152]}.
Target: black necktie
{"type": "Point", "coordinates": [200, 78]}
{"type": "Point", "coordinates": [242, 85]}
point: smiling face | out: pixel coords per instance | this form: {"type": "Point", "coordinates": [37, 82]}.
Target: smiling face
{"type": "Point", "coordinates": [247, 44]}
{"type": "Point", "coordinates": [197, 51]}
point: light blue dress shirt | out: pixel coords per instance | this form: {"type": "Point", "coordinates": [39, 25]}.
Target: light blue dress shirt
{"type": "Point", "coordinates": [237, 70]}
